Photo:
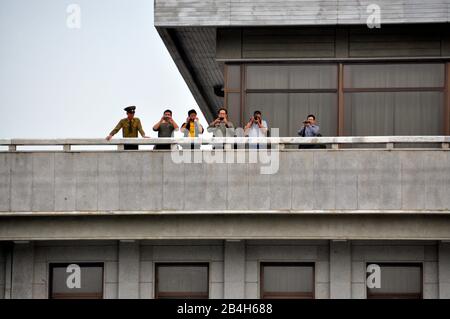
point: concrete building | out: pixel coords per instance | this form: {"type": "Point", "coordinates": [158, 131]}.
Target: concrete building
{"type": "Point", "coordinates": [138, 225]}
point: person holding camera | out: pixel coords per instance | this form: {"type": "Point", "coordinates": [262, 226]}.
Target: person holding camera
{"type": "Point", "coordinates": [256, 127]}
{"type": "Point", "coordinates": [165, 128]}
{"type": "Point", "coordinates": [309, 129]}
{"type": "Point", "coordinates": [220, 125]}
{"type": "Point", "coordinates": [192, 128]}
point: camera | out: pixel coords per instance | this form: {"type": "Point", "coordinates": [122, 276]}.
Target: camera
{"type": "Point", "coordinates": [306, 122]}
{"type": "Point", "coordinates": [221, 118]}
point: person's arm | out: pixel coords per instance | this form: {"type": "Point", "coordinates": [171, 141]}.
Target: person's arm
{"type": "Point", "coordinates": [314, 129]}
{"type": "Point", "coordinates": [300, 131]}
{"type": "Point", "coordinates": [175, 125]}
{"type": "Point", "coordinates": [115, 130]}
{"type": "Point", "coordinates": [201, 128]}
{"type": "Point", "coordinates": [141, 130]}
{"type": "Point", "coordinates": [212, 126]}
{"type": "Point", "coordinates": [157, 125]}
{"type": "Point", "coordinates": [263, 126]}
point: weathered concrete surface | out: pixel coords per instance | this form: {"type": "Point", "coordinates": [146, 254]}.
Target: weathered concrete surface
{"type": "Point", "coordinates": [410, 180]}
{"type": "Point", "coordinates": [313, 12]}
{"type": "Point", "coordinates": [228, 226]}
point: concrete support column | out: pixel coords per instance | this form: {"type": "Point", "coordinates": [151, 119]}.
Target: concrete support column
{"type": "Point", "coordinates": [234, 269]}
{"type": "Point", "coordinates": [22, 270]}
{"type": "Point", "coordinates": [2, 272]}
{"type": "Point", "coordinates": [129, 262]}
{"type": "Point", "coordinates": [444, 270]}
{"type": "Point", "coordinates": [340, 270]}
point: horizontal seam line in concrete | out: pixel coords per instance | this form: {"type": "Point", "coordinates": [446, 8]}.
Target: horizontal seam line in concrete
{"type": "Point", "coordinates": [230, 212]}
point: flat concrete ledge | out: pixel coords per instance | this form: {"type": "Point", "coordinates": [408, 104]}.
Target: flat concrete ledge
{"type": "Point", "coordinates": [230, 226]}
{"type": "Point", "coordinates": [229, 212]}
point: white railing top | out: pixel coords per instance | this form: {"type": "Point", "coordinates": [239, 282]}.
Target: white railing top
{"type": "Point", "coordinates": [230, 140]}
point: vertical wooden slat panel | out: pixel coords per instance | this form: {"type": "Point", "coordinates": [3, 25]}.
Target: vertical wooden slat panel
{"type": "Point", "coordinates": [340, 99]}
{"type": "Point", "coordinates": [243, 92]}
{"type": "Point", "coordinates": [447, 100]}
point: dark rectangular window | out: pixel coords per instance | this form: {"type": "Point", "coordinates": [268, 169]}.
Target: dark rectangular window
{"type": "Point", "coordinates": [90, 279]}
{"type": "Point", "coordinates": [182, 281]}
{"type": "Point", "coordinates": [287, 280]}
{"type": "Point", "coordinates": [398, 281]}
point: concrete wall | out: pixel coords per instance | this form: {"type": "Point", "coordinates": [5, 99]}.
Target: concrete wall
{"type": "Point", "coordinates": [234, 266]}
{"type": "Point", "coordinates": [151, 181]}
{"type": "Point", "coordinates": [270, 12]}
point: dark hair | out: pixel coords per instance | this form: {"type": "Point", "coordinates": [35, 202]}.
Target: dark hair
{"type": "Point", "coordinates": [168, 111]}
{"type": "Point", "coordinates": [222, 109]}
{"type": "Point", "coordinates": [191, 112]}
{"type": "Point", "coordinates": [257, 112]}
{"type": "Point", "coordinates": [311, 115]}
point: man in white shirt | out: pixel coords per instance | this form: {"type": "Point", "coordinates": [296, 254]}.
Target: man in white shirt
{"type": "Point", "coordinates": [256, 127]}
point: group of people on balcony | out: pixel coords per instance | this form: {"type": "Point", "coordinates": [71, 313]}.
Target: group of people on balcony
{"type": "Point", "coordinates": [220, 127]}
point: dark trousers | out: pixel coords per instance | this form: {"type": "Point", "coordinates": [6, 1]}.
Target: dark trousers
{"type": "Point", "coordinates": [162, 147]}
{"type": "Point", "coordinates": [130, 147]}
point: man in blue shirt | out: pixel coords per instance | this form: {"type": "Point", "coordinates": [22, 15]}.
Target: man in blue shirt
{"type": "Point", "coordinates": [309, 129]}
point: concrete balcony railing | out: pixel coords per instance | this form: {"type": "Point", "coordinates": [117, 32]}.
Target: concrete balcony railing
{"type": "Point", "coordinates": [281, 142]}
{"type": "Point", "coordinates": [336, 192]}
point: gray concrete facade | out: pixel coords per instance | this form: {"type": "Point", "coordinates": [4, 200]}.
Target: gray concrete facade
{"type": "Point", "coordinates": [300, 12]}
{"type": "Point", "coordinates": [234, 267]}
{"type": "Point", "coordinates": [353, 180]}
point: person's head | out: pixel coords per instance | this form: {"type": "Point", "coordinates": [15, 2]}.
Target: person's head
{"type": "Point", "coordinates": [192, 114]}
{"type": "Point", "coordinates": [257, 115]}
{"type": "Point", "coordinates": [222, 113]}
{"type": "Point", "coordinates": [167, 114]}
{"type": "Point", "coordinates": [311, 119]}
{"type": "Point", "coordinates": [130, 111]}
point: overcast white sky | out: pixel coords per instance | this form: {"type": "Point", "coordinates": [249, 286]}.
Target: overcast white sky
{"type": "Point", "coordinates": [57, 82]}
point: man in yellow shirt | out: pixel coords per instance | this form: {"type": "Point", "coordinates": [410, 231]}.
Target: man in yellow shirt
{"type": "Point", "coordinates": [192, 127]}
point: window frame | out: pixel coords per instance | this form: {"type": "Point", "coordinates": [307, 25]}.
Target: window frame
{"type": "Point", "coordinates": [287, 295]}
{"type": "Point", "coordinates": [175, 294]}
{"type": "Point", "coordinates": [52, 295]}
{"type": "Point", "coordinates": [370, 295]}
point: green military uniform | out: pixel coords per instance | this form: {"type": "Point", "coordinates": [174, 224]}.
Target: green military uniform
{"type": "Point", "coordinates": [130, 128]}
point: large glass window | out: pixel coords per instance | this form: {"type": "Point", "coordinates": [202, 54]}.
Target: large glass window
{"type": "Point", "coordinates": [184, 281]}
{"type": "Point", "coordinates": [354, 99]}
{"type": "Point", "coordinates": [85, 282]}
{"type": "Point", "coordinates": [393, 113]}
{"type": "Point", "coordinates": [407, 75]}
{"type": "Point", "coordinates": [394, 99]}
{"type": "Point", "coordinates": [287, 280]}
{"type": "Point", "coordinates": [269, 77]}
{"type": "Point", "coordinates": [286, 111]}
{"type": "Point", "coordinates": [398, 281]}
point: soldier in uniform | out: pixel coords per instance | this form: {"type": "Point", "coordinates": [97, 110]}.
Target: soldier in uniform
{"type": "Point", "coordinates": [130, 127]}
